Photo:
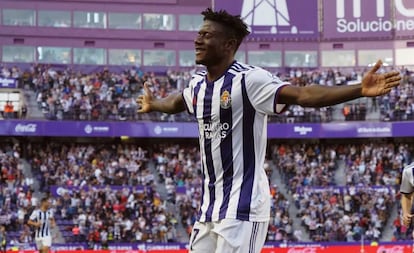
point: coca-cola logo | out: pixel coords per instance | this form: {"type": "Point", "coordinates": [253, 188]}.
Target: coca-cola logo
{"type": "Point", "coordinates": [25, 128]}
{"type": "Point", "coordinates": [303, 250]}
{"type": "Point", "coordinates": [390, 249]}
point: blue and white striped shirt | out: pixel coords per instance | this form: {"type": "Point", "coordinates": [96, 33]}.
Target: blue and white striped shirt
{"type": "Point", "coordinates": [407, 180]}
{"type": "Point", "coordinates": [45, 222]}
{"type": "Point", "coordinates": [232, 120]}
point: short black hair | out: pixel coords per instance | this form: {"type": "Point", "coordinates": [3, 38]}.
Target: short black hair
{"type": "Point", "coordinates": [233, 24]}
{"type": "Point", "coordinates": [44, 199]}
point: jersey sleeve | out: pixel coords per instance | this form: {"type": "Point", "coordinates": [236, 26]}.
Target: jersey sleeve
{"type": "Point", "coordinates": [406, 181]}
{"type": "Point", "coordinates": [263, 90]}
{"type": "Point", "coordinates": [33, 216]}
{"type": "Point", "coordinates": [188, 95]}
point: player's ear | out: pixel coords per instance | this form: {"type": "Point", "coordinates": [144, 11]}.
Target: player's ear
{"type": "Point", "coordinates": [231, 44]}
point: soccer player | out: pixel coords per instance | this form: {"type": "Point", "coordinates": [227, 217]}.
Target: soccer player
{"type": "Point", "coordinates": [407, 190]}
{"type": "Point", "coordinates": [43, 221]}
{"type": "Point", "coordinates": [3, 239]}
{"type": "Point", "coordinates": [231, 102]}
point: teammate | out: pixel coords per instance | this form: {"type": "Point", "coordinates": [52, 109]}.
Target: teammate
{"type": "Point", "coordinates": [43, 221]}
{"type": "Point", "coordinates": [231, 102]}
{"type": "Point", "coordinates": [407, 190]}
{"type": "Point", "coordinates": [3, 239]}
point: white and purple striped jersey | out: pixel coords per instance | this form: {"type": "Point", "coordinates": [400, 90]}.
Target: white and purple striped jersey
{"type": "Point", "coordinates": [407, 180]}
{"type": "Point", "coordinates": [44, 217]}
{"type": "Point", "coordinates": [232, 120]}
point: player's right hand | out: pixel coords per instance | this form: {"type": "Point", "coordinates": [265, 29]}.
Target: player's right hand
{"type": "Point", "coordinates": [144, 101]}
{"type": "Point", "coordinates": [406, 219]}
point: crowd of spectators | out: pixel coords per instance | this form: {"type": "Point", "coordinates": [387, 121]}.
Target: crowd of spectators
{"type": "Point", "coordinates": [107, 193]}
{"type": "Point", "coordinates": [16, 195]}
{"type": "Point", "coordinates": [345, 213]}
{"type": "Point", "coordinates": [355, 111]}
{"type": "Point", "coordinates": [398, 105]}
{"type": "Point", "coordinates": [87, 178]}
{"type": "Point", "coordinates": [306, 164]}
{"type": "Point", "coordinates": [367, 190]}
{"type": "Point", "coordinates": [178, 167]}
{"type": "Point", "coordinates": [65, 94]}
{"type": "Point", "coordinates": [376, 164]}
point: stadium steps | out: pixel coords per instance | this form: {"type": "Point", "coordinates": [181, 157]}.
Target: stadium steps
{"type": "Point", "coordinates": [370, 116]}
{"type": "Point", "coordinates": [293, 211]}
{"type": "Point", "coordinates": [340, 173]}
{"type": "Point", "coordinates": [33, 112]}
{"type": "Point", "coordinates": [27, 172]}
{"type": "Point", "coordinates": [160, 186]}
{"type": "Point", "coordinates": [388, 233]}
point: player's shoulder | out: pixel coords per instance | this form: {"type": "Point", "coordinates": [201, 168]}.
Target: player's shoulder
{"type": "Point", "coordinates": [409, 167]}
{"type": "Point", "coordinates": [199, 75]}
{"type": "Point", "coordinates": [242, 68]}
{"type": "Point", "coordinates": [256, 75]}
{"type": "Point", "coordinates": [408, 172]}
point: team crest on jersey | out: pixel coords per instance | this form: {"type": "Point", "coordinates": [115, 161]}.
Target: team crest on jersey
{"type": "Point", "coordinates": [225, 100]}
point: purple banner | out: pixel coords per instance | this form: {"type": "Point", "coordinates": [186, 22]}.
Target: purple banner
{"type": "Point", "coordinates": [178, 246]}
{"type": "Point", "coordinates": [111, 246]}
{"type": "Point", "coordinates": [344, 189]}
{"type": "Point", "coordinates": [61, 190]}
{"type": "Point", "coordinates": [8, 83]}
{"type": "Point", "coordinates": [359, 130]}
{"type": "Point", "coordinates": [97, 129]}
{"type": "Point", "coordinates": [404, 18]}
{"type": "Point", "coordinates": [190, 130]}
{"type": "Point", "coordinates": [282, 19]}
{"type": "Point", "coordinates": [357, 19]}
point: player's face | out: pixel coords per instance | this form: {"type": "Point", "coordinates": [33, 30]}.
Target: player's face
{"type": "Point", "coordinates": [210, 43]}
{"type": "Point", "coordinates": [46, 204]}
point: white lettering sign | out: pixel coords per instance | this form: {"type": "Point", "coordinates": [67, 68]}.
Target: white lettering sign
{"type": "Point", "coordinates": [25, 128]}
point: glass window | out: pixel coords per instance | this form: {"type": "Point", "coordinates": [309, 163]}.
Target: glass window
{"type": "Point", "coordinates": [159, 58]}
{"type": "Point", "coordinates": [301, 59]}
{"type": "Point", "coordinates": [54, 18]}
{"type": "Point", "coordinates": [124, 20]}
{"type": "Point", "coordinates": [93, 56]}
{"type": "Point", "coordinates": [240, 56]}
{"type": "Point", "coordinates": [265, 58]}
{"type": "Point", "coordinates": [19, 17]}
{"type": "Point", "coordinates": [159, 22]}
{"type": "Point", "coordinates": [404, 56]}
{"type": "Point", "coordinates": [54, 55]}
{"type": "Point", "coordinates": [338, 58]}
{"type": "Point", "coordinates": [187, 58]}
{"type": "Point", "coordinates": [18, 54]}
{"type": "Point", "coordinates": [369, 57]}
{"type": "Point", "coordinates": [124, 57]}
{"type": "Point", "coordinates": [89, 19]}
{"type": "Point", "coordinates": [190, 22]}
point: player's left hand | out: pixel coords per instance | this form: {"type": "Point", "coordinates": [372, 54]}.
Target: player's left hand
{"type": "Point", "coordinates": [406, 219]}
{"type": "Point", "coordinates": [375, 84]}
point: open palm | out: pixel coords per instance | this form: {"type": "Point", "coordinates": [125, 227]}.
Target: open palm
{"type": "Point", "coordinates": [144, 101]}
{"type": "Point", "coordinates": [375, 84]}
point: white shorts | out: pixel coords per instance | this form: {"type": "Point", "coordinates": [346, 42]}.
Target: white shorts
{"type": "Point", "coordinates": [228, 235]}
{"type": "Point", "coordinates": [42, 242]}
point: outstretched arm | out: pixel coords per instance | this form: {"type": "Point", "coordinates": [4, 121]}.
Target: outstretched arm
{"type": "Point", "coordinates": [173, 103]}
{"type": "Point", "coordinates": [373, 84]}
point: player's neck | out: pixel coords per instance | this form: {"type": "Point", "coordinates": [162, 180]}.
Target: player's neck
{"type": "Point", "coordinates": [216, 71]}
{"type": "Point", "coordinates": [43, 209]}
